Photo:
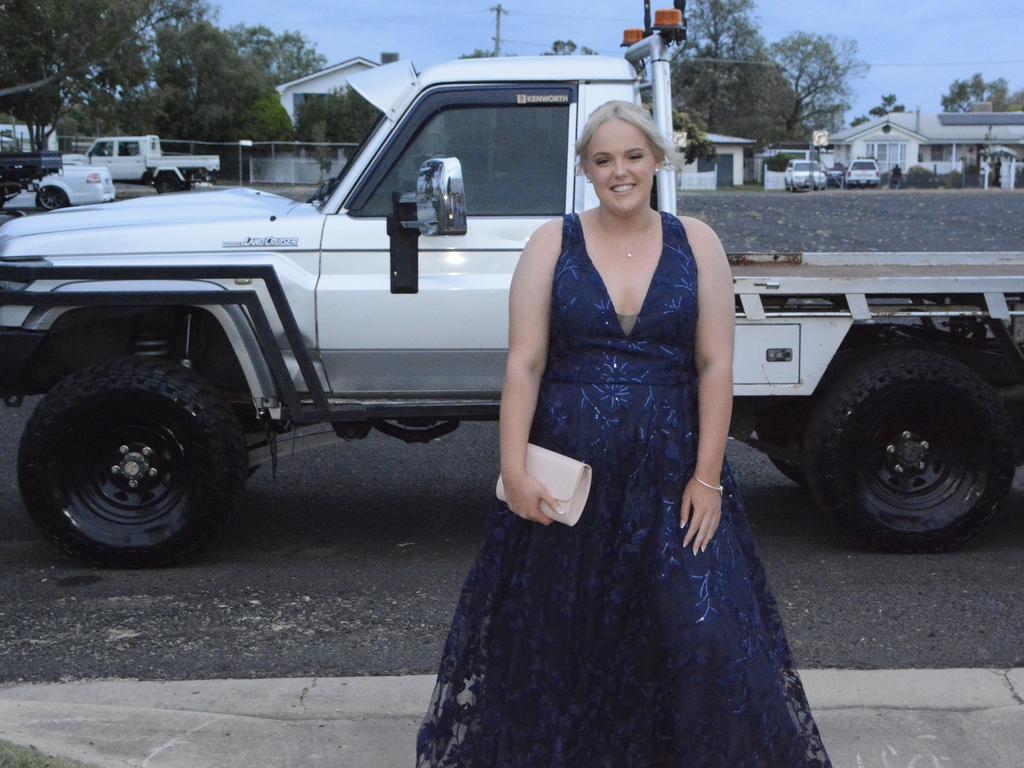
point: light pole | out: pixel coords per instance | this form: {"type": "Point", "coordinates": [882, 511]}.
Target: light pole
{"type": "Point", "coordinates": [241, 143]}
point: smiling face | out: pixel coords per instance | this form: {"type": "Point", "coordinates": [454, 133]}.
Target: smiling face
{"type": "Point", "coordinates": [620, 163]}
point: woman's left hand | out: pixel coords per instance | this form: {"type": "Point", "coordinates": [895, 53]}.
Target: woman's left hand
{"type": "Point", "coordinates": [706, 505]}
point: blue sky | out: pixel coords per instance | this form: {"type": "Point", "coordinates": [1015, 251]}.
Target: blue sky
{"type": "Point", "coordinates": [916, 48]}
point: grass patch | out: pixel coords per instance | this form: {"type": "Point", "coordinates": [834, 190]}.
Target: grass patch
{"type": "Point", "coordinates": [13, 756]}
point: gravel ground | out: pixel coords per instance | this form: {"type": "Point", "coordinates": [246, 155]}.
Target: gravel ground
{"type": "Point", "coordinates": [862, 220]}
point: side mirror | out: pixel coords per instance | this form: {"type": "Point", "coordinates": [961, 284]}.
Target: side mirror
{"type": "Point", "coordinates": [437, 207]}
{"type": "Point", "coordinates": [441, 197]}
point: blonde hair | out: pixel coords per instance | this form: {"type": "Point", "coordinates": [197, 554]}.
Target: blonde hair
{"type": "Point", "coordinates": [635, 115]}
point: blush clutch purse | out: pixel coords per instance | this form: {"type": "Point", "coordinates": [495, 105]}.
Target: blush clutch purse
{"type": "Point", "coordinates": [567, 479]}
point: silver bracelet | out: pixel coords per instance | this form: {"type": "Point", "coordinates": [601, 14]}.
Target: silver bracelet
{"type": "Point", "coordinates": [718, 488]}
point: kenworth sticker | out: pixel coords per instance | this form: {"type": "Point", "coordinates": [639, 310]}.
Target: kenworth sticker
{"type": "Point", "coordinates": [262, 242]}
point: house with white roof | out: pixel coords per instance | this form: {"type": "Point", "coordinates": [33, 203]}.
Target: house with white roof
{"type": "Point", "coordinates": [332, 78]}
{"type": "Point", "coordinates": [942, 142]}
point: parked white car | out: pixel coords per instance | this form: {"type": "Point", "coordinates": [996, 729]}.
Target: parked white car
{"type": "Point", "coordinates": [804, 174]}
{"type": "Point", "coordinates": [75, 184]}
{"type": "Point", "coordinates": [863, 172]}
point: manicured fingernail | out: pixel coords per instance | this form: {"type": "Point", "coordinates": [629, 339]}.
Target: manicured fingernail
{"type": "Point", "coordinates": [682, 524]}
{"type": "Point", "coordinates": [704, 548]}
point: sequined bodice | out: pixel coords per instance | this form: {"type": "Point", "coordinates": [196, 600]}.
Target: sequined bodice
{"type": "Point", "coordinates": [588, 343]}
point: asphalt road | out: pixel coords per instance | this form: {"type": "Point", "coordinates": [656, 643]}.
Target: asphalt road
{"type": "Point", "coordinates": [351, 561]}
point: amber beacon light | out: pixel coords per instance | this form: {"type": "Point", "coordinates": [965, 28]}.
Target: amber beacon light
{"type": "Point", "coordinates": [630, 36]}
{"type": "Point", "coordinates": [669, 19]}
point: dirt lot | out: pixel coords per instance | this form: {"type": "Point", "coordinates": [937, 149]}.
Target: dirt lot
{"type": "Point", "coordinates": [863, 220]}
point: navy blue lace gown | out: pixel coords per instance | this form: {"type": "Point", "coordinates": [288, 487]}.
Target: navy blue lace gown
{"type": "Point", "coordinates": [608, 643]}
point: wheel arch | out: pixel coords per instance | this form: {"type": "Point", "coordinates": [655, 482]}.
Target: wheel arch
{"type": "Point", "coordinates": [80, 336]}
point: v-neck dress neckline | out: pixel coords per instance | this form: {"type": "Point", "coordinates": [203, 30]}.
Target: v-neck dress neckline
{"type": "Point", "coordinates": [604, 286]}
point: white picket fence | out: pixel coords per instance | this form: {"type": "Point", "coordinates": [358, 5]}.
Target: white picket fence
{"type": "Point", "coordinates": [702, 180]}
{"type": "Point", "coordinates": [774, 179]}
{"type": "Point", "coordinates": [941, 168]}
{"type": "Point", "coordinates": [1008, 174]}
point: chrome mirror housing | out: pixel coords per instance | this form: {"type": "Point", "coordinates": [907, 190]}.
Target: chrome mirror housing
{"type": "Point", "coordinates": [440, 197]}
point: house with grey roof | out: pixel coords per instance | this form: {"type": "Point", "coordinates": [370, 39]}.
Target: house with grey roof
{"type": "Point", "coordinates": [727, 165]}
{"type": "Point", "coordinates": [939, 142]}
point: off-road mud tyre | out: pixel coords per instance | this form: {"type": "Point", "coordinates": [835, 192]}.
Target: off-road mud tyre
{"type": "Point", "coordinates": [172, 422]}
{"type": "Point", "coordinates": [930, 415]}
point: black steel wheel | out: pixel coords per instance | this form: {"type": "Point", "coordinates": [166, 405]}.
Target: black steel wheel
{"type": "Point", "coordinates": [132, 463]}
{"type": "Point", "coordinates": [167, 182]}
{"type": "Point", "coordinates": [910, 450]}
{"type": "Point", "coordinates": [50, 198]}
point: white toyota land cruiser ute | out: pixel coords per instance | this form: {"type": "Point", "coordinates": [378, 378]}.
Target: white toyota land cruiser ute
{"type": "Point", "coordinates": [182, 341]}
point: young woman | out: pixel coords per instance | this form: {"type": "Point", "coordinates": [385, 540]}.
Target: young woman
{"type": "Point", "coordinates": [645, 635]}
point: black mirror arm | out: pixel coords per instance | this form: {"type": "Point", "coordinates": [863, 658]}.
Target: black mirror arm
{"type": "Point", "coordinates": [405, 245]}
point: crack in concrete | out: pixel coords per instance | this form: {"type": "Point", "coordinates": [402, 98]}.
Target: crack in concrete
{"type": "Point", "coordinates": [182, 739]}
{"type": "Point", "coordinates": [1013, 691]}
{"type": "Point", "coordinates": [306, 690]}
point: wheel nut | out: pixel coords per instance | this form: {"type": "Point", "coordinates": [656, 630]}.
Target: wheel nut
{"type": "Point", "coordinates": [152, 472]}
{"type": "Point", "coordinates": [920, 465]}
{"type": "Point", "coordinates": [890, 449]}
{"type": "Point", "coordinates": [906, 435]}
{"type": "Point", "coordinates": [924, 445]}
{"type": "Point", "coordinates": [133, 483]}
{"type": "Point", "coordinates": [147, 451]}
{"type": "Point", "coordinates": [116, 469]}
{"type": "Point", "coordinates": [899, 469]}
{"type": "Point", "coordinates": [123, 449]}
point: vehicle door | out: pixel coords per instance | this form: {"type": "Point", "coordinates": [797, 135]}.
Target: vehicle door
{"type": "Point", "coordinates": [102, 153]}
{"type": "Point", "coordinates": [515, 147]}
{"type": "Point", "coordinates": [130, 161]}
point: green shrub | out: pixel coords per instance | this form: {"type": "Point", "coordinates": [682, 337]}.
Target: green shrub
{"type": "Point", "coordinates": [780, 161]}
{"type": "Point", "coordinates": [920, 177]}
{"type": "Point", "coordinates": [266, 120]}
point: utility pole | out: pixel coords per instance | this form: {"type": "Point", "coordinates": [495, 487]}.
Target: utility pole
{"type": "Point", "coordinates": [498, 13]}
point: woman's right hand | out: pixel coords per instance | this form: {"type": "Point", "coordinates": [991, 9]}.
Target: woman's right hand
{"type": "Point", "coordinates": [525, 494]}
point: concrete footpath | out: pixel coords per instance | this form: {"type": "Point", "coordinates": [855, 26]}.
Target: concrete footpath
{"type": "Point", "coordinates": [948, 718]}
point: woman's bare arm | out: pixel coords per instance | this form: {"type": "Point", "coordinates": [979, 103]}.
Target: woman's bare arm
{"type": "Point", "coordinates": [529, 318]}
{"type": "Point", "coordinates": [713, 357]}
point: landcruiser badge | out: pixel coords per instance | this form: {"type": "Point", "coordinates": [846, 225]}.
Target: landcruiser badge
{"type": "Point", "coordinates": [262, 242]}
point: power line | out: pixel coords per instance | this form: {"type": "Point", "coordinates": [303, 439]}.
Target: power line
{"type": "Point", "coordinates": [946, 63]}
{"type": "Point", "coordinates": [622, 19]}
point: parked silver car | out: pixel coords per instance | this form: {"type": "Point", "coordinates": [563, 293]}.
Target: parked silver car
{"type": "Point", "coordinates": [804, 174]}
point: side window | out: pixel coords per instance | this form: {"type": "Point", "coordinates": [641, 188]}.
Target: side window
{"type": "Point", "coordinates": [128, 149]}
{"type": "Point", "coordinates": [103, 149]}
{"type": "Point", "coordinates": [513, 159]}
